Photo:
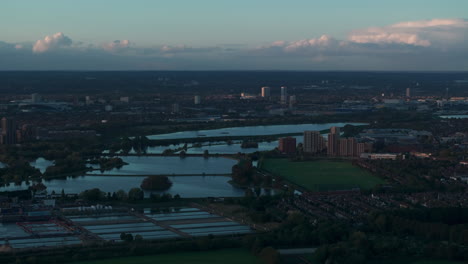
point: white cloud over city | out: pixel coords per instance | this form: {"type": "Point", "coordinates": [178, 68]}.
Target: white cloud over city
{"type": "Point", "coordinates": [51, 42]}
{"type": "Point", "coordinates": [436, 44]}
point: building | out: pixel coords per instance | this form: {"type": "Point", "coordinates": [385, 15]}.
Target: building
{"type": "Point", "coordinates": [25, 133]}
{"type": "Point", "coordinates": [335, 130]}
{"type": "Point", "coordinates": [352, 147]}
{"type": "Point", "coordinates": [287, 145]}
{"type": "Point", "coordinates": [363, 148]}
{"type": "Point", "coordinates": [175, 108]}
{"type": "Point", "coordinates": [342, 147]}
{"type": "Point", "coordinates": [333, 137]}
{"type": "Point", "coordinates": [313, 142]}
{"type": "Point", "coordinates": [408, 92]}
{"type": "Point", "coordinates": [347, 147]}
{"type": "Point", "coordinates": [125, 99]}
{"type": "Point", "coordinates": [292, 101]}
{"type": "Point", "coordinates": [8, 131]}
{"type": "Point", "coordinates": [88, 100]}
{"type": "Point", "coordinates": [35, 98]}
{"type": "Point", "coordinates": [284, 95]}
{"type": "Point", "coordinates": [381, 156]}
{"type": "Point", "coordinates": [266, 92]}
{"type": "Point", "coordinates": [197, 100]}
{"type": "Point", "coordinates": [248, 96]}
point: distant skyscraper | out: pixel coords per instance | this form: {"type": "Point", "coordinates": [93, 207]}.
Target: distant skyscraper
{"type": "Point", "coordinates": [266, 91]}
{"type": "Point", "coordinates": [175, 108]}
{"type": "Point", "coordinates": [292, 101]}
{"type": "Point", "coordinates": [108, 108]}
{"type": "Point", "coordinates": [287, 145]}
{"type": "Point", "coordinates": [284, 95]}
{"type": "Point", "coordinates": [313, 142]}
{"type": "Point", "coordinates": [35, 98]}
{"type": "Point", "coordinates": [333, 149]}
{"type": "Point", "coordinates": [408, 92]}
{"type": "Point", "coordinates": [8, 131]}
{"type": "Point", "coordinates": [197, 99]}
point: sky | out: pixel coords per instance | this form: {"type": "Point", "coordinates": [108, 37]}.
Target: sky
{"type": "Point", "coordinates": [234, 35]}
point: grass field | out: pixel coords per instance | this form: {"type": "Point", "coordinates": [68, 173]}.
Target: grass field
{"type": "Point", "coordinates": [225, 256]}
{"type": "Point", "coordinates": [322, 175]}
{"type": "Point", "coordinates": [410, 261]}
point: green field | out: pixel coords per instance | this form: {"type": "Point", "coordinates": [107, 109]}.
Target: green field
{"type": "Point", "coordinates": [225, 256]}
{"type": "Point", "coordinates": [322, 175]}
{"type": "Point", "coordinates": [409, 261]}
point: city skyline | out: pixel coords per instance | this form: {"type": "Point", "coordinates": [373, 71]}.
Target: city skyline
{"type": "Point", "coordinates": [273, 35]}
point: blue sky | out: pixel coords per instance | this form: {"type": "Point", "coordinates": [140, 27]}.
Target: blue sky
{"type": "Point", "coordinates": [242, 25]}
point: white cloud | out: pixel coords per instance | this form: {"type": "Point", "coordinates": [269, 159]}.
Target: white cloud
{"type": "Point", "coordinates": [431, 23]}
{"type": "Point", "coordinates": [423, 33]}
{"type": "Point", "coordinates": [117, 45]}
{"type": "Point", "coordinates": [323, 41]}
{"type": "Point", "coordinates": [381, 36]}
{"type": "Point", "coordinates": [414, 45]}
{"type": "Point", "coordinates": [55, 41]}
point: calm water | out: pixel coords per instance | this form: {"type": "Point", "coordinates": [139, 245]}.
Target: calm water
{"type": "Point", "coordinates": [41, 164]}
{"type": "Point", "coordinates": [235, 148]}
{"type": "Point", "coordinates": [249, 131]}
{"type": "Point", "coordinates": [454, 116]}
{"type": "Point", "coordinates": [172, 165]}
{"type": "Point", "coordinates": [185, 186]}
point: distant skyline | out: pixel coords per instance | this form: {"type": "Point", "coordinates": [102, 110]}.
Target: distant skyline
{"type": "Point", "coordinates": [393, 35]}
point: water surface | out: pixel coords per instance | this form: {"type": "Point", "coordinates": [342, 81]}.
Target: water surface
{"type": "Point", "coordinates": [249, 131]}
{"type": "Point", "coordinates": [185, 186]}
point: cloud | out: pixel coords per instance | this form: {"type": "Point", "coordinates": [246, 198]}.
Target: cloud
{"type": "Point", "coordinates": [323, 41]}
{"type": "Point", "coordinates": [380, 36]}
{"type": "Point", "coordinates": [314, 48]}
{"type": "Point", "coordinates": [423, 33]}
{"type": "Point", "coordinates": [436, 44]}
{"type": "Point", "coordinates": [117, 45]}
{"type": "Point", "coordinates": [58, 40]}
{"type": "Point", "coordinates": [432, 23]}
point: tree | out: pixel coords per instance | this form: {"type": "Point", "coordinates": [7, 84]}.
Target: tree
{"type": "Point", "coordinates": [121, 195]}
{"type": "Point", "coordinates": [93, 195]}
{"type": "Point", "coordinates": [156, 183]}
{"type": "Point", "coordinates": [242, 172]}
{"type": "Point", "coordinates": [258, 191]}
{"type": "Point", "coordinates": [126, 237]}
{"type": "Point", "coordinates": [270, 255]}
{"type": "Point", "coordinates": [135, 194]}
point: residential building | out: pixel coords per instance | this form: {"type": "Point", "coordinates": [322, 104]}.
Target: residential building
{"type": "Point", "coordinates": [266, 92]}
{"type": "Point", "coordinates": [287, 145]}
{"type": "Point", "coordinates": [313, 142]}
